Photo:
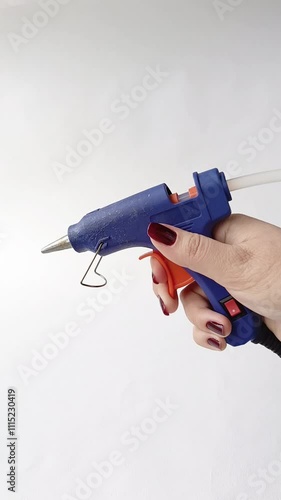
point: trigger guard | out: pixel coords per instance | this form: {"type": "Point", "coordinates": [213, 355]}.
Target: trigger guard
{"type": "Point", "coordinates": [171, 284]}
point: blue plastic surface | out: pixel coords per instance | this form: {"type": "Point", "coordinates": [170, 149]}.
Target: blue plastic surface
{"type": "Point", "coordinates": [124, 224]}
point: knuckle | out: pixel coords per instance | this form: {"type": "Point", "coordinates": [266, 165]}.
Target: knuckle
{"type": "Point", "coordinates": [196, 247]}
{"type": "Point", "coordinates": [241, 259]}
{"type": "Point", "coordinates": [243, 255]}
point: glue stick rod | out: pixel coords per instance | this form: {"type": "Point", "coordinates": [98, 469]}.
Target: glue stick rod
{"type": "Point", "coordinates": [254, 180]}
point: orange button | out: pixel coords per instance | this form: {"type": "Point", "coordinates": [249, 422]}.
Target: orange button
{"type": "Point", "coordinates": [232, 308]}
{"type": "Point", "coordinates": [193, 193]}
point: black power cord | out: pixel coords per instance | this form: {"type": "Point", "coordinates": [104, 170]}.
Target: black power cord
{"type": "Point", "coordinates": [267, 338]}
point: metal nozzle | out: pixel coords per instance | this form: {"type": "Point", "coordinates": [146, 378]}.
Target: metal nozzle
{"type": "Point", "coordinates": [56, 246]}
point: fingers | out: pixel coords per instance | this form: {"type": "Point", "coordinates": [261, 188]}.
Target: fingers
{"type": "Point", "coordinates": [209, 342]}
{"type": "Point", "coordinates": [198, 311]}
{"type": "Point", "coordinates": [158, 272]}
{"type": "Point", "coordinates": [210, 328]}
{"type": "Point", "coordinates": [168, 304]}
{"type": "Point", "coordinates": [216, 260]}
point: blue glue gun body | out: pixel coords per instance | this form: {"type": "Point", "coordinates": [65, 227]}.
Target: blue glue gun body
{"type": "Point", "coordinates": [124, 224]}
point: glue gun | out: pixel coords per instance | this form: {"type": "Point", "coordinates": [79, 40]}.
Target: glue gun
{"type": "Point", "coordinates": [124, 224]}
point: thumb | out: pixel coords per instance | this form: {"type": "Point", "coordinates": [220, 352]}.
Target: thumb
{"type": "Point", "coordinates": [221, 262]}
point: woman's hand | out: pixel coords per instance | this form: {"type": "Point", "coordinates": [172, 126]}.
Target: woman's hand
{"type": "Point", "coordinates": [244, 257]}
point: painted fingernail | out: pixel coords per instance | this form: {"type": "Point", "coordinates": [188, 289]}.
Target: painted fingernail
{"type": "Point", "coordinates": [154, 280]}
{"type": "Point", "coordinates": [215, 328]}
{"type": "Point", "coordinates": [163, 307]}
{"type": "Point", "coordinates": [162, 234]}
{"type": "Point", "coordinates": [214, 343]}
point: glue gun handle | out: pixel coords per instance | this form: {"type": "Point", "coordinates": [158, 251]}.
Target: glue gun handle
{"type": "Point", "coordinates": [245, 323]}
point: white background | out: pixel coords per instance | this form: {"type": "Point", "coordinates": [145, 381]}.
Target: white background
{"type": "Point", "coordinates": [223, 86]}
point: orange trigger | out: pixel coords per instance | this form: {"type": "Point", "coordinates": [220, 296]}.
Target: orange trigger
{"type": "Point", "coordinates": [177, 276]}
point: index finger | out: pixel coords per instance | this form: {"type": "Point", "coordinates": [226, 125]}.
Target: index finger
{"type": "Point", "coordinates": [158, 272]}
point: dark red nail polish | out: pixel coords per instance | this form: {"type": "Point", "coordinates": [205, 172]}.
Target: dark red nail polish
{"type": "Point", "coordinates": [214, 343]}
{"type": "Point", "coordinates": [215, 328]}
{"type": "Point", "coordinates": [163, 307]}
{"type": "Point", "coordinates": [154, 280]}
{"type": "Point", "coordinates": [162, 234]}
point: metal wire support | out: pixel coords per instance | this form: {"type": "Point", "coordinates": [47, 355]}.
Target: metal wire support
{"type": "Point", "coordinates": [98, 258]}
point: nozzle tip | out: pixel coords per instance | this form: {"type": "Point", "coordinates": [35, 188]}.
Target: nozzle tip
{"type": "Point", "coordinates": [56, 246]}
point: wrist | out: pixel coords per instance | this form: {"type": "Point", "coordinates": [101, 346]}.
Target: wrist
{"type": "Point", "coordinates": [274, 326]}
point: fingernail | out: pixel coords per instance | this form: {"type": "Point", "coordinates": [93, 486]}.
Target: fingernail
{"type": "Point", "coordinates": [162, 234]}
{"type": "Point", "coordinates": [163, 307]}
{"type": "Point", "coordinates": [215, 328]}
{"type": "Point", "coordinates": [154, 280]}
{"type": "Point", "coordinates": [214, 343]}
